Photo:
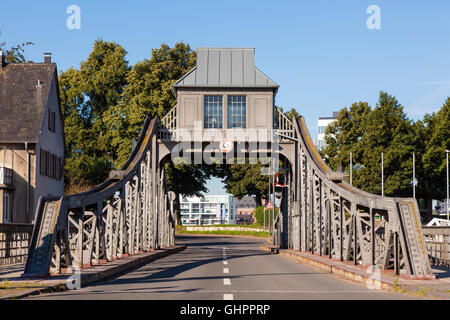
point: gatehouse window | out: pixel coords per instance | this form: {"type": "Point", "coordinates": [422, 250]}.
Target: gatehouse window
{"type": "Point", "coordinates": [237, 112]}
{"type": "Point", "coordinates": [213, 112]}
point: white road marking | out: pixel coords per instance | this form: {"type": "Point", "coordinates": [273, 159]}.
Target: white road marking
{"type": "Point", "coordinates": [225, 262]}
{"type": "Point", "coordinates": [226, 270]}
{"type": "Point", "coordinates": [227, 282]}
{"type": "Point", "coordinates": [227, 296]}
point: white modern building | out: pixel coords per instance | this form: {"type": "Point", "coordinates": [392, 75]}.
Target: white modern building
{"type": "Point", "coordinates": [322, 124]}
{"type": "Point", "coordinates": [208, 210]}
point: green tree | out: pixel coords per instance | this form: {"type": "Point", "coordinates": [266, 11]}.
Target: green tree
{"type": "Point", "coordinates": [368, 133]}
{"type": "Point", "coordinates": [15, 54]}
{"type": "Point", "coordinates": [86, 96]}
{"type": "Point", "coordinates": [246, 179]}
{"type": "Point", "coordinates": [147, 93]}
{"type": "Point", "coordinates": [344, 136]}
{"type": "Point", "coordinates": [435, 141]}
{"type": "Point", "coordinates": [292, 113]}
{"type": "Point", "coordinates": [187, 180]}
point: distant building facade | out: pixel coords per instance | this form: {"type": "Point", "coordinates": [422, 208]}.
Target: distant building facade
{"type": "Point", "coordinates": [208, 210]}
{"type": "Point", "coordinates": [246, 210]}
{"type": "Point", "coordinates": [322, 124]}
{"type": "Point", "coordinates": [31, 138]}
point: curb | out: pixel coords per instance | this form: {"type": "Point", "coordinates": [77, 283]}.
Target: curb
{"type": "Point", "coordinates": [334, 268]}
{"type": "Point", "coordinates": [389, 282]}
{"type": "Point", "coordinates": [115, 269]}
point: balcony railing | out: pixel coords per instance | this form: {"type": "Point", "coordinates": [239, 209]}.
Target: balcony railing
{"type": "Point", "coordinates": [5, 175]}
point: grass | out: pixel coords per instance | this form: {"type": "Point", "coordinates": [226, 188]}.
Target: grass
{"type": "Point", "coordinates": [8, 285]}
{"type": "Point", "coordinates": [182, 230]}
{"type": "Point", "coordinates": [254, 226]}
{"type": "Point", "coordinates": [419, 291]}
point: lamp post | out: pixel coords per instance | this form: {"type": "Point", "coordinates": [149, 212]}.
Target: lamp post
{"type": "Point", "coordinates": [448, 215]}
{"type": "Point", "coordinates": [382, 175]}
{"type": "Point", "coordinates": [414, 175]}
{"type": "Point", "coordinates": [351, 169]}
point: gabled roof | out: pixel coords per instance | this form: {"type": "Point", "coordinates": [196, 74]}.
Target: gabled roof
{"type": "Point", "coordinates": [23, 101]}
{"type": "Point", "coordinates": [225, 67]}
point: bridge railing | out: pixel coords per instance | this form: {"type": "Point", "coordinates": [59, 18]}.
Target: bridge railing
{"type": "Point", "coordinates": [168, 124]}
{"type": "Point", "coordinates": [14, 242]}
{"type": "Point", "coordinates": [127, 214]}
{"type": "Point", "coordinates": [284, 125]}
{"type": "Point", "coordinates": [437, 241]}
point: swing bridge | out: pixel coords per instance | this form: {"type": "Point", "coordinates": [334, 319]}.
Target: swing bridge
{"type": "Point", "coordinates": [320, 213]}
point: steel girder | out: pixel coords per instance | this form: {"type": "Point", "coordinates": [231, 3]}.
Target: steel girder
{"type": "Point", "coordinates": [327, 216]}
{"type": "Point", "coordinates": [118, 218]}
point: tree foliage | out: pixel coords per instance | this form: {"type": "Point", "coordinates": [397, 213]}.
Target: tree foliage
{"type": "Point", "coordinates": [86, 96]}
{"type": "Point", "coordinates": [15, 54]}
{"type": "Point", "coordinates": [367, 132]}
{"type": "Point", "coordinates": [147, 93]}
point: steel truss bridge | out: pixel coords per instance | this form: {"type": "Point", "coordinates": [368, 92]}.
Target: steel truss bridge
{"type": "Point", "coordinates": [320, 212]}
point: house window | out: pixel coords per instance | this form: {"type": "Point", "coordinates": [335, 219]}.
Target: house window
{"type": "Point", "coordinates": [213, 112]}
{"type": "Point", "coordinates": [51, 121]}
{"type": "Point", "coordinates": [50, 165]}
{"type": "Point", "coordinates": [237, 112]}
{"type": "Point", "coordinates": [6, 207]}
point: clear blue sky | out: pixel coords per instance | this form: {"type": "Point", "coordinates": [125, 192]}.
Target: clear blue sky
{"type": "Point", "coordinates": [321, 53]}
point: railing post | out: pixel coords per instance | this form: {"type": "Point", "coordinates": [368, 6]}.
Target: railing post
{"type": "Point", "coordinates": [396, 257]}
{"type": "Point", "coordinates": [341, 230]}
{"type": "Point", "coordinates": [320, 218]}
{"type": "Point", "coordinates": [355, 241]}
{"type": "Point", "coordinates": [329, 227]}
{"type": "Point", "coordinates": [445, 247]}
{"type": "Point", "coordinates": [372, 237]}
{"type": "Point", "coordinates": [7, 242]}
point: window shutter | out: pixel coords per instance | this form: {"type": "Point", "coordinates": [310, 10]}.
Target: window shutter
{"type": "Point", "coordinates": [42, 162]}
{"type": "Point", "coordinates": [47, 161]}
{"type": "Point", "coordinates": [61, 167]}
{"type": "Point", "coordinates": [51, 120]}
{"type": "Point", "coordinates": [57, 167]}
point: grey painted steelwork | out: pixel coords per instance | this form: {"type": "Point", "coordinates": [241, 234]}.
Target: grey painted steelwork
{"type": "Point", "coordinates": [323, 214]}
{"type": "Point", "coordinates": [320, 212]}
{"type": "Point", "coordinates": [437, 241]}
{"type": "Point", "coordinates": [14, 241]}
{"type": "Point", "coordinates": [127, 214]}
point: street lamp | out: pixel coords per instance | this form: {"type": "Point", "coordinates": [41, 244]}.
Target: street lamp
{"type": "Point", "coordinates": [351, 169]}
{"type": "Point", "coordinates": [414, 175]}
{"type": "Point", "coordinates": [448, 215]}
{"type": "Point", "coordinates": [382, 174]}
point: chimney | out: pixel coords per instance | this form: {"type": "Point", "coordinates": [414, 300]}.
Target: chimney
{"type": "Point", "coordinates": [2, 59]}
{"type": "Point", "coordinates": [47, 57]}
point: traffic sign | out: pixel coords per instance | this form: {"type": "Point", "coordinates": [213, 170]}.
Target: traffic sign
{"type": "Point", "coordinates": [269, 205]}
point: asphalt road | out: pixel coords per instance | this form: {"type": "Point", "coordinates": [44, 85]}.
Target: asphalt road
{"type": "Point", "coordinates": [225, 268]}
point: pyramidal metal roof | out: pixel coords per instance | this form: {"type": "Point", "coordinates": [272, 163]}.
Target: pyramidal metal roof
{"type": "Point", "coordinates": [225, 67]}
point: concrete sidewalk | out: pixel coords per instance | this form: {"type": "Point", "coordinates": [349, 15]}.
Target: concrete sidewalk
{"type": "Point", "coordinates": [438, 288]}
{"type": "Point", "coordinates": [13, 286]}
